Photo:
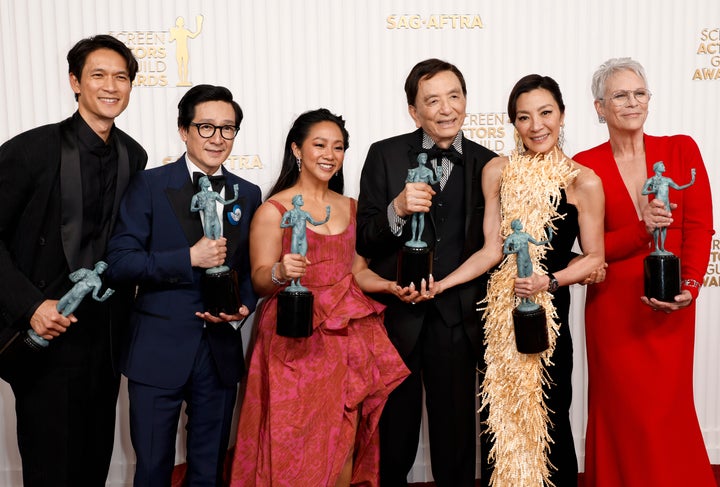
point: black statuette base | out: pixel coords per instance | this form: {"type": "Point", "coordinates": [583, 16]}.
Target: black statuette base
{"type": "Point", "coordinates": [414, 265]}
{"type": "Point", "coordinates": [220, 292]}
{"type": "Point", "coordinates": [662, 277]}
{"type": "Point", "coordinates": [531, 334]}
{"type": "Point", "coordinates": [295, 314]}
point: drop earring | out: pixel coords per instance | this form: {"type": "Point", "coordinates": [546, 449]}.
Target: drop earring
{"type": "Point", "coordinates": [519, 146]}
{"type": "Point", "coordinates": [299, 165]}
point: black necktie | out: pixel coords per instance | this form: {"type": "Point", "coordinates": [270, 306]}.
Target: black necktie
{"type": "Point", "coordinates": [217, 182]}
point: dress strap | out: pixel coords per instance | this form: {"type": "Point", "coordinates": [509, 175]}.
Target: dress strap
{"type": "Point", "coordinates": [278, 205]}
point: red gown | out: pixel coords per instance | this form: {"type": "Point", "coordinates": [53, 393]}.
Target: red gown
{"type": "Point", "coordinates": [304, 396]}
{"type": "Point", "coordinates": [642, 426]}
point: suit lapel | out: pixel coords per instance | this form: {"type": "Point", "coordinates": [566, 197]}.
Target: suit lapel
{"type": "Point", "coordinates": [233, 232]}
{"type": "Point", "coordinates": [123, 176]}
{"type": "Point", "coordinates": [70, 195]}
{"type": "Point", "coordinates": [470, 182]}
{"type": "Point", "coordinates": [179, 192]}
{"type": "Point", "coordinates": [230, 231]}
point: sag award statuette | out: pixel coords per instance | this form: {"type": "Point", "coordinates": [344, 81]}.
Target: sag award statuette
{"type": "Point", "coordinates": [295, 302]}
{"type": "Point", "coordinates": [531, 335]}
{"type": "Point", "coordinates": [416, 258]}
{"type": "Point", "coordinates": [85, 280]}
{"type": "Point", "coordinates": [661, 267]}
{"type": "Point", "coordinates": [219, 284]}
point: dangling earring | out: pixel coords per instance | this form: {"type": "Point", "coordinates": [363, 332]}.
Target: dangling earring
{"type": "Point", "coordinates": [561, 137]}
{"type": "Point", "coordinates": [299, 165]}
{"type": "Point", "coordinates": [601, 119]}
{"type": "Point", "coordinates": [519, 146]}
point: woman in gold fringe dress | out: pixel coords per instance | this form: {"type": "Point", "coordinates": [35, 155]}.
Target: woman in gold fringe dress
{"type": "Point", "coordinates": [526, 438]}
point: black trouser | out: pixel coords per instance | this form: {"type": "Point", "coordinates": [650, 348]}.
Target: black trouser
{"type": "Point", "coordinates": [443, 361]}
{"type": "Point", "coordinates": [65, 400]}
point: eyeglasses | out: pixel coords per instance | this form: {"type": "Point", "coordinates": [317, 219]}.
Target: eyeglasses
{"type": "Point", "coordinates": [207, 130]}
{"type": "Point", "coordinates": [622, 98]}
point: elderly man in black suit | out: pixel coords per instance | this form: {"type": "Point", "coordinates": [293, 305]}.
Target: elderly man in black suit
{"type": "Point", "coordinates": [60, 189]}
{"type": "Point", "coordinates": [440, 340]}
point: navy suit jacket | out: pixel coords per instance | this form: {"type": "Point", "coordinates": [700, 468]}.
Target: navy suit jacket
{"type": "Point", "coordinates": [151, 247]}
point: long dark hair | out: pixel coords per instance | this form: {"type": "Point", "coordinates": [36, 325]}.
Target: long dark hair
{"type": "Point", "coordinates": [529, 83]}
{"type": "Point", "coordinates": [299, 131]}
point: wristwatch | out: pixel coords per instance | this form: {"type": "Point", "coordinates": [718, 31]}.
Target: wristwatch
{"type": "Point", "coordinates": [553, 285]}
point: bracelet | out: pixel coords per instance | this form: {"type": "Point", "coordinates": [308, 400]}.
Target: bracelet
{"type": "Point", "coordinates": [691, 283]}
{"type": "Point", "coordinates": [274, 278]}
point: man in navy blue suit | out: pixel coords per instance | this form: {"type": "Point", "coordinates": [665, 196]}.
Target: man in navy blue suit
{"type": "Point", "coordinates": [177, 351]}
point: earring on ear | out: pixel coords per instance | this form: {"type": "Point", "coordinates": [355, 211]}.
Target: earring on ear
{"type": "Point", "coordinates": [601, 119]}
{"type": "Point", "coordinates": [519, 146]}
{"type": "Point", "coordinates": [561, 137]}
{"type": "Point", "coordinates": [299, 164]}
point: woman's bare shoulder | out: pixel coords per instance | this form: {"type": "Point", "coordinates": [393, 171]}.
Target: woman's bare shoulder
{"type": "Point", "coordinates": [495, 166]}
{"type": "Point", "coordinates": [586, 179]}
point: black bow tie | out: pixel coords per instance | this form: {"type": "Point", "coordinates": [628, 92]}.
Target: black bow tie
{"type": "Point", "coordinates": [451, 154]}
{"type": "Point", "coordinates": [217, 182]}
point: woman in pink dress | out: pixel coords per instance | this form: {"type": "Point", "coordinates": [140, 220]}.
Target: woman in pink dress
{"type": "Point", "coordinates": [642, 426]}
{"type": "Point", "coordinates": [311, 407]}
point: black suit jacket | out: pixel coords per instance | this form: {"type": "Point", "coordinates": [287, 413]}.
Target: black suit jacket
{"type": "Point", "coordinates": [383, 178]}
{"type": "Point", "coordinates": [41, 219]}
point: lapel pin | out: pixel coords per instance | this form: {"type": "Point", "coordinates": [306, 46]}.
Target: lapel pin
{"type": "Point", "coordinates": [234, 215]}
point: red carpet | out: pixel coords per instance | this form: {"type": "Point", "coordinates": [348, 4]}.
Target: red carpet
{"type": "Point", "coordinates": [581, 483]}
{"type": "Point", "coordinates": [179, 475]}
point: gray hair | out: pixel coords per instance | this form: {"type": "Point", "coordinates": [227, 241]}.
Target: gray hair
{"type": "Point", "coordinates": [609, 68]}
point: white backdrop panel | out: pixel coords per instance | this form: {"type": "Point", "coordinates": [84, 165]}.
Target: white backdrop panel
{"type": "Point", "coordinates": [282, 57]}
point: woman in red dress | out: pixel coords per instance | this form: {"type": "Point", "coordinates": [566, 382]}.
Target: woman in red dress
{"type": "Point", "coordinates": [642, 426]}
{"type": "Point", "coordinates": [311, 408]}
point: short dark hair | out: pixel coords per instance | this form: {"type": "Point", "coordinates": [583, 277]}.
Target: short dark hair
{"type": "Point", "coordinates": [200, 94]}
{"type": "Point", "coordinates": [289, 172]}
{"type": "Point", "coordinates": [77, 56]}
{"type": "Point", "coordinates": [529, 83]}
{"type": "Point", "coordinates": [426, 70]}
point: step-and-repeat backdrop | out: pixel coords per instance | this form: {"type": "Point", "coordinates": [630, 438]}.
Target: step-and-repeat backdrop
{"type": "Point", "coordinates": [282, 57]}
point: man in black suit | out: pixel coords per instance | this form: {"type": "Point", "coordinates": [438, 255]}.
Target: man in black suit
{"type": "Point", "coordinates": [179, 352]}
{"type": "Point", "coordinates": [440, 340]}
{"type": "Point", "coordinates": [60, 188]}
